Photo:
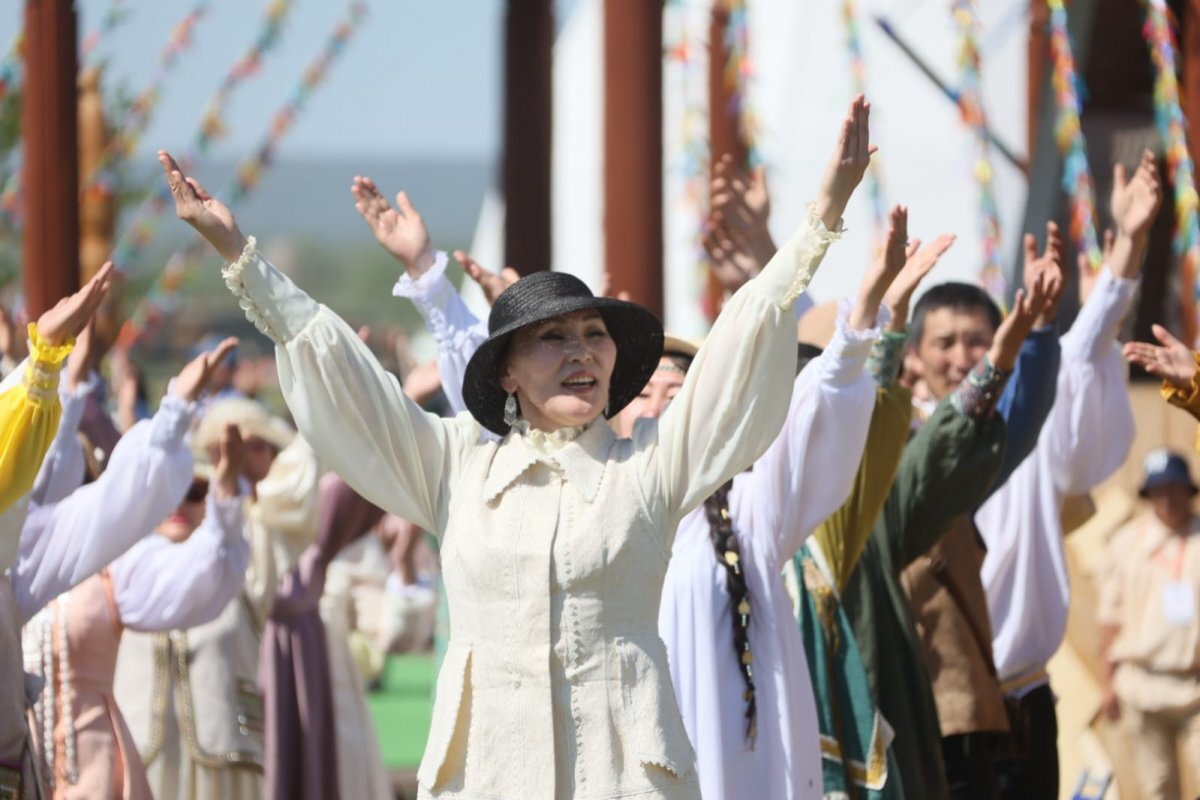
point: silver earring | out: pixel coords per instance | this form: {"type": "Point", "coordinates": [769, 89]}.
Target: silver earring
{"type": "Point", "coordinates": [510, 410]}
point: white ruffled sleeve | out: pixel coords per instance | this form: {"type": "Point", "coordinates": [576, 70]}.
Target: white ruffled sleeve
{"type": "Point", "coordinates": [147, 476]}
{"type": "Point", "coordinates": [351, 410]}
{"type": "Point", "coordinates": [457, 331]}
{"type": "Point", "coordinates": [160, 585]}
{"type": "Point", "coordinates": [735, 398]}
{"type": "Point", "coordinates": [808, 471]}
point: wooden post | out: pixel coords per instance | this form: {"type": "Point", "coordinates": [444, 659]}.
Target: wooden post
{"type": "Point", "coordinates": [97, 203]}
{"type": "Point", "coordinates": [1039, 58]}
{"type": "Point", "coordinates": [633, 158]}
{"type": "Point", "coordinates": [724, 133]}
{"type": "Point", "coordinates": [529, 41]}
{"type": "Point", "coordinates": [50, 176]}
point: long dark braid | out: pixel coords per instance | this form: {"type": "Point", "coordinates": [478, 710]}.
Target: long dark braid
{"type": "Point", "coordinates": [729, 555]}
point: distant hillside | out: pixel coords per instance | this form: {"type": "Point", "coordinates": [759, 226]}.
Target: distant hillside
{"type": "Point", "coordinates": [311, 198]}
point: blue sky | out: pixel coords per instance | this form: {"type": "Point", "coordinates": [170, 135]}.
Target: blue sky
{"type": "Point", "coordinates": [421, 78]}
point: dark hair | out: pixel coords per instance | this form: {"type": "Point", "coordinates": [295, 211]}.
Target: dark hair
{"type": "Point", "coordinates": [961, 297]}
{"type": "Point", "coordinates": [729, 555]}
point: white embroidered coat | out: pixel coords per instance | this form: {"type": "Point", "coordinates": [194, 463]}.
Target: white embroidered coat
{"type": "Point", "coordinates": [554, 547]}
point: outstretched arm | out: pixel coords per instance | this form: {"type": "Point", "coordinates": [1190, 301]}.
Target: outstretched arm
{"type": "Point", "coordinates": [735, 398]}
{"type": "Point", "coordinates": [351, 410]}
{"type": "Point", "coordinates": [159, 585]}
{"type": "Point", "coordinates": [149, 472]}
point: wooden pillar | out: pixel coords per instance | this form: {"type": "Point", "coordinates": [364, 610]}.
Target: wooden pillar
{"type": "Point", "coordinates": [97, 202]}
{"type": "Point", "coordinates": [633, 158]}
{"type": "Point", "coordinates": [528, 56]}
{"type": "Point", "coordinates": [50, 173]}
{"type": "Point", "coordinates": [724, 133]}
{"type": "Point", "coordinates": [1039, 61]}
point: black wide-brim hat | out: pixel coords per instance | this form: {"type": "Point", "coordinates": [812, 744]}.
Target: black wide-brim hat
{"type": "Point", "coordinates": [637, 333]}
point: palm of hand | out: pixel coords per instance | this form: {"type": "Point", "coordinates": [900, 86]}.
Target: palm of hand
{"type": "Point", "coordinates": [403, 238]}
{"type": "Point", "coordinates": [1135, 207]}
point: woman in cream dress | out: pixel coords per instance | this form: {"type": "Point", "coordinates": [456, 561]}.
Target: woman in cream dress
{"type": "Point", "coordinates": [555, 539]}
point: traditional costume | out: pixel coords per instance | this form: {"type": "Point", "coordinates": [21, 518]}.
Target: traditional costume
{"type": "Point", "coordinates": [554, 545]}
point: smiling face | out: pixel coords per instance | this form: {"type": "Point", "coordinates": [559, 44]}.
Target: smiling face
{"type": "Point", "coordinates": [560, 370]}
{"type": "Point", "coordinates": [952, 342]}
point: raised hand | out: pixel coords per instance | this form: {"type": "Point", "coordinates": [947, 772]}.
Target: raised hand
{"type": "Point", "coordinates": [741, 204]}
{"type": "Point", "coordinates": [606, 288]}
{"type": "Point", "coordinates": [400, 230]}
{"type": "Point", "coordinates": [919, 262]}
{"type": "Point", "coordinates": [1027, 308]}
{"type": "Point", "coordinates": [1135, 201]}
{"type": "Point", "coordinates": [883, 271]}
{"type": "Point", "coordinates": [69, 316]}
{"type": "Point", "coordinates": [209, 216]}
{"type": "Point", "coordinates": [1171, 359]}
{"type": "Point", "coordinates": [730, 255]}
{"type": "Point", "coordinates": [192, 379]}
{"type": "Point", "coordinates": [232, 454]}
{"type": "Point", "coordinates": [1050, 265]}
{"type": "Point", "coordinates": [493, 285]}
{"type": "Point", "coordinates": [849, 162]}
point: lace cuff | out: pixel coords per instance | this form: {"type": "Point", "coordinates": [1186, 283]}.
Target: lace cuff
{"type": "Point", "coordinates": [977, 395]}
{"type": "Point", "coordinates": [788, 274]}
{"type": "Point", "coordinates": [887, 355]}
{"type": "Point", "coordinates": [44, 365]}
{"type": "Point", "coordinates": [848, 348]}
{"type": "Point", "coordinates": [234, 276]}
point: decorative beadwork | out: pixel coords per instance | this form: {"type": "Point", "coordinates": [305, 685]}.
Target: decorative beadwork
{"type": "Point", "coordinates": [37, 641]}
{"type": "Point", "coordinates": [977, 395]}
{"type": "Point", "coordinates": [887, 354]}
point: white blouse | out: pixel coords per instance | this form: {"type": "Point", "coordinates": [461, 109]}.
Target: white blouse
{"type": "Point", "coordinates": [554, 546]}
{"type": "Point", "coordinates": [1085, 438]}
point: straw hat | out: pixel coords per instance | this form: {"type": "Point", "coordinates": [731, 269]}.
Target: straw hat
{"type": "Point", "coordinates": [252, 420]}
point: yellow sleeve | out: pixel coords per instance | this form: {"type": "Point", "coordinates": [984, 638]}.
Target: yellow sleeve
{"type": "Point", "coordinates": [29, 416]}
{"type": "Point", "coordinates": [1187, 399]}
{"type": "Point", "coordinates": [843, 536]}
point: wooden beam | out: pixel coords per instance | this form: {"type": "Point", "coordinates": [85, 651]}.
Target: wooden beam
{"type": "Point", "coordinates": [633, 158]}
{"type": "Point", "coordinates": [528, 57]}
{"type": "Point", "coordinates": [724, 133]}
{"type": "Point", "coordinates": [50, 171]}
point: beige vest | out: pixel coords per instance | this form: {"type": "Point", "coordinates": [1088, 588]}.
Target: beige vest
{"type": "Point", "coordinates": [950, 610]}
{"type": "Point", "coordinates": [206, 678]}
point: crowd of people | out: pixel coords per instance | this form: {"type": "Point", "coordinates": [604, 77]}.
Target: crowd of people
{"type": "Point", "coordinates": [748, 567]}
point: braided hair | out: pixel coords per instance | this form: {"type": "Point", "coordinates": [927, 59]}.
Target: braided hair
{"type": "Point", "coordinates": [729, 555]}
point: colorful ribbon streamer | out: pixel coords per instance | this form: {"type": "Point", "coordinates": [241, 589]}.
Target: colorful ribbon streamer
{"type": "Point", "coordinates": [112, 19]}
{"type": "Point", "coordinates": [739, 73]}
{"type": "Point", "coordinates": [971, 106]}
{"type": "Point", "coordinates": [128, 133]}
{"type": "Point", "coordinates": [160, 300]}
{"type": "Point", "coordinates": [142, 228]}
{"type": "Point", "coordinates": [858, 81]}
{"type": "Point", "coordinates": [1172, 128]}
{"type": "Point", "coordinates": [1077, 176]}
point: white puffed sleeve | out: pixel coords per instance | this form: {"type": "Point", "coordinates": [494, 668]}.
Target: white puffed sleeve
{"type": "Point", "coordinates": [457, 331]}
{"type": "Point", "coordinates": [147, 476]}
{"type": "Point", "coordinates": [346, 405]}
{"type": "Point", "coordinates": [735, 398]}
{"type": "Point", "coordinates": [808, 471]}
{"type": "Point", "coordinates": [159, 585]}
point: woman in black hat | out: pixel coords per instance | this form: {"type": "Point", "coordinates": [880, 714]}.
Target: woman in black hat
{"type": "Point", "coordinates": [555, 539]}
